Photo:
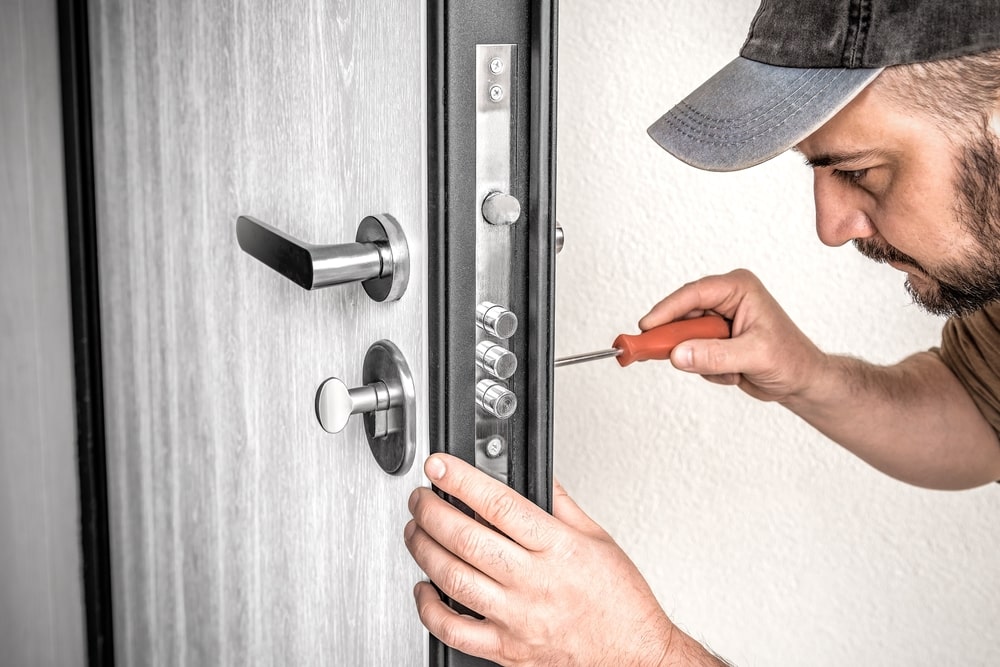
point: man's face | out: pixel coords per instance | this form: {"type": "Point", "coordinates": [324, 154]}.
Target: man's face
{"type": "Point", "coordinates": [911, 195]}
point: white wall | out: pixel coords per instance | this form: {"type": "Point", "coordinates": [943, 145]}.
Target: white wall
{"type": "Point", "coordinates": [41, 596]}
{"type": "Point", "coordinates": [759, 536]}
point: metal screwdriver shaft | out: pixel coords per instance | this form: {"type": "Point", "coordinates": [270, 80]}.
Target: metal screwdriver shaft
{"type": "Point", "coordinates": [590, 356]}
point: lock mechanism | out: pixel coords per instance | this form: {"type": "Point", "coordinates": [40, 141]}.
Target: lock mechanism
{"type": "Point", "coordinates": [386, 400]}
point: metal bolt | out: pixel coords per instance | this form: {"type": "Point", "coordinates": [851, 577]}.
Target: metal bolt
{"type": "Point", "coordinates": [496, 93]}
{"type": "Point", "coordinates": [495, 447]}
{"type": "Point", "coordinates": [496, 65]}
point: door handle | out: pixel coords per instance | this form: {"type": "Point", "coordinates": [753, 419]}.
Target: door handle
{"type": "Point", "coordinates": [379, 258]}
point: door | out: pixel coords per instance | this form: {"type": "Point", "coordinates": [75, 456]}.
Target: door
{"type": "Point", "coordinates": [240, 531]}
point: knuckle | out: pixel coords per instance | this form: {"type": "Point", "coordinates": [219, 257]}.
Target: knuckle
{"type": "Point", "coordinates": [717, 356]}
{"type": "Point", "coordinates": [467, 539]}
{"type": "Point", "coordinates": [711, 358]}
{"type": "Point", "coordinates": [460, 586]}
{"type": "Point", "coordinates": [449, 633]}
{"type": "Point", "coordinates": [499, 505]}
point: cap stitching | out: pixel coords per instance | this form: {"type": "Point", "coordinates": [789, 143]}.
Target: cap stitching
{"type": "Point", "coordinates": [797, 94]}
{"type": "Point", "coordinates": [851, 34]}
{"type": "Point", "coordinates": [806, 81]}
{"type": "Point", "coordinates": [861, 31]}
{"type": "Point", "coordinates": [867, 23]}
{"type": "Point", "coordinates": [682, 127]}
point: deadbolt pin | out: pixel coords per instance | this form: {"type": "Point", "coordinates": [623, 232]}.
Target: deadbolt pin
{"type": "Point", "coordinates": [496, 320]}
{"type": "Point", "coordinates": [495, 359]}
{"type": "Point", "coordinates": [496, 399]}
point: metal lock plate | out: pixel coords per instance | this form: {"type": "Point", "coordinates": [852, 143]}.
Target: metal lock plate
{"type": "Point", "coordinates": [498, 216]}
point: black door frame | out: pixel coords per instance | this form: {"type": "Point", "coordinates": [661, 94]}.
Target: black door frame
{"type": "Point", "coordinates": [455, 28]}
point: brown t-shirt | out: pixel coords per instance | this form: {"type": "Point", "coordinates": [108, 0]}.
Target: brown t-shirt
{"type": "Point", "coordinates": [970, 347]}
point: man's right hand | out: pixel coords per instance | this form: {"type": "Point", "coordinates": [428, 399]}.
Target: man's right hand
{"type": "Point", "coordinates": [912, 420]}
{"type": "Point", "coordinates": [767, 356]}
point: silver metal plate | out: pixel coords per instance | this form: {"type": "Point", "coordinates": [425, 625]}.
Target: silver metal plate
{"type": "Point", "coordinates": [495, 103]}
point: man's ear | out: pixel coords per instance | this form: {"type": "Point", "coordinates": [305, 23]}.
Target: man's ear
{"type": "Point", "coordinates": [995, 118]}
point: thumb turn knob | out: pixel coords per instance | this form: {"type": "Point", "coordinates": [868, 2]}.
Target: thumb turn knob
{"type": "Point", "coordinates": [335, 404]}
{"type": "Point", "coordinates": [386, 401]}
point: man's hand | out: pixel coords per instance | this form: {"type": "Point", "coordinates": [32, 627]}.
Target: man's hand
{"type": "Point", "coordinates": [767, 355]}
{"type": "Point", "coordinates": [554, 589]}
{"type": "Point", "coordinates": [912, 420]}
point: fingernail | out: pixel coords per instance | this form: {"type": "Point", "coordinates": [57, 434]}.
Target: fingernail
{"type": "Point", "coordinates": [434, 468]}
{"type": "Point", "coordinates": [683, 357]}
{"type": "Point", "coordinates": [416, 590]}
{"type": "Point", "coordinates": [412, 502]}
{"type": "Point", "coordinates": [411, 527]}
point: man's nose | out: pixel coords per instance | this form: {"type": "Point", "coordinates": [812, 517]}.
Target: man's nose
{"type": "Point", "coordinates": [840, 216]}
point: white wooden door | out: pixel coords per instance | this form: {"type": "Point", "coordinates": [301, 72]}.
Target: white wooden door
{"type": "Point", "coordinates": [241, 533]}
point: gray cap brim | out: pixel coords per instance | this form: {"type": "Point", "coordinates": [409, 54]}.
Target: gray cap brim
{"type": "Point", "coordinates": [749, 112]}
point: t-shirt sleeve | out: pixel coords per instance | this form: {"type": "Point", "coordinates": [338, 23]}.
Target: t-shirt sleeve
{"type": "Point", "coordinates": [970, 347]}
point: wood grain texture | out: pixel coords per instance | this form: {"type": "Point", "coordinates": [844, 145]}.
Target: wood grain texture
{"type": "Point", "coordinates": [241, 532]}
{"type": "Point", "coordinates": [41, 600]}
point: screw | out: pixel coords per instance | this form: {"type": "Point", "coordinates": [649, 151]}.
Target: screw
{"type": "Point", "coordinates": [496, 93]}
{"type": "Point", "coordinates": [495, 447]}
{"type": "Point", "coordinates": [496, 65]}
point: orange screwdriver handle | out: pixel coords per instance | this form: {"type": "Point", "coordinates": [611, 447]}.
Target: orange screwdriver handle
{"type": "Point", "coordinates": [659, 342]}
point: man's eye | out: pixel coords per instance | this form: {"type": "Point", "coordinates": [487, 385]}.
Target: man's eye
{"type": "Point", "coordinates": [854, 176]}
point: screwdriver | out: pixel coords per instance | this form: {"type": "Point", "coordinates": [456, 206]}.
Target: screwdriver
{"type": "Point", "coordinates": [656, 343]}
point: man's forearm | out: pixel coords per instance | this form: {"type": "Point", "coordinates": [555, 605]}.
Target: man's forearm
{"type": "Point", "coordinates": [913, 420]}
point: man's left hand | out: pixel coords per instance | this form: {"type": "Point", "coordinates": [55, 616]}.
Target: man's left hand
{"type": "Point", "coordinates": [553, 589]}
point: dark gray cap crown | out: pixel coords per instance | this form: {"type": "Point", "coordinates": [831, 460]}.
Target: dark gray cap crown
{"type": "Point", "coordinates": [870, 33]}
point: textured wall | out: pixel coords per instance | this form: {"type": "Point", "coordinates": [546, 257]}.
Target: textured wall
{"type": "Point", "coordinates": [758, 535]}
{"type": "Point", "coordinates": [41, 601]}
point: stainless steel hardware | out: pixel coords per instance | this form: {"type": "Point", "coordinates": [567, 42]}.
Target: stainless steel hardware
{"type": "Point", "coordinates": [499, 208]}
{"type": "Point", "coordinates": [387, 401]}
{"type": "Point", "coordinates": [379, 258]}
{"type": "Point", "coordinates": [496, 399]}
{"type": "Point", "coordinates": [491, 456]}
{"type": "Point", "coordinates": [496, 210]}
{"type": "Point", "coordinates": [560, 238]}
{"type": "Point", "coordinates": [495, 447]}
{"type": "Point", "coordinates": [496, 320]}
{"type": "Point", "coordinates": [495, 359]}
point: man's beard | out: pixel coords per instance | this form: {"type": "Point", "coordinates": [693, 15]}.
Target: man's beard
{"type": "Point", "coordinates": [961, 289]}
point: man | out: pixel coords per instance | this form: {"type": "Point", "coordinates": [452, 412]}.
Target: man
{"type": "Point", "coordinates": [896, 106]}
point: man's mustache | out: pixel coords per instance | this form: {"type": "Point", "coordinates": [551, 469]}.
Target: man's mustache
{"type": "Point", "coordinates": [884, 253]}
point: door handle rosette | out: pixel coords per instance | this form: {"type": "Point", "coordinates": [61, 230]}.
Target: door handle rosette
{"type": "Point", "coordinates": [379, 258]}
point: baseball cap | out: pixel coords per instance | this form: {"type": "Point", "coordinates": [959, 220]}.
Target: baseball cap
{"type": "Point", "coordinates": [803, 61]}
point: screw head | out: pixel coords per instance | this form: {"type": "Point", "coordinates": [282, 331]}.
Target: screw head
{"type": "Point", "coordinates": [496, 93]}
{"type": "Point", "coordinates": [496, 66]}
{"type": "Point", "coordinates": [495, 447]}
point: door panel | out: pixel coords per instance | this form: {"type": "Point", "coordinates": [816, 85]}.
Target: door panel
{"type": "Point", "coordinates": [240, 531]}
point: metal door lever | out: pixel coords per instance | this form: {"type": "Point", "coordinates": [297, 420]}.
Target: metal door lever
{"type": "Point", "coordinates": [379, 258]}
